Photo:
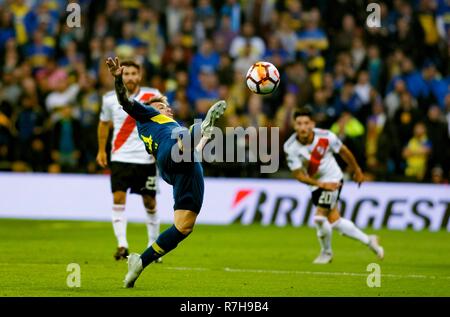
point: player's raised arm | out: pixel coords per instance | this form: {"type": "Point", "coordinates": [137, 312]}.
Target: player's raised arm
{"type": "Point", "coordinates": [134, 108]}
{"type": "Point", "coordinates": [349, 158]}
{"type": "Point", "coordinates": [121, 91]}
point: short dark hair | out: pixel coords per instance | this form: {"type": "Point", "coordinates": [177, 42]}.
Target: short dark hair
{"type": "Point", "coordinates": [130, 63]}
{"type": "Point", "coordinates": [157, 99]}
{"type": "Point", "coordinates": [303, 112]}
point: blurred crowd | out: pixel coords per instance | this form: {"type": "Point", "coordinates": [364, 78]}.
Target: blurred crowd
{"type": "Point", "coordinates": [383, 90]}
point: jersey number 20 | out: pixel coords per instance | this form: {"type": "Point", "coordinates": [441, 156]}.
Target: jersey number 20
{"type": "Point", "coordinates": [326, 198]}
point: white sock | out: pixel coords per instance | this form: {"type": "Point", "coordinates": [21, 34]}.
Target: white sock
{"type": "Point", "coordinates": [348, 228]}
{"type": "Point", "coordinates": [323, 233]}
{"type": "Point", "coordinates": [201, 144]}
{"type": "Point", "coordinates": [152, 222]}
{"type": "Point", "coordinates": [119, 222]}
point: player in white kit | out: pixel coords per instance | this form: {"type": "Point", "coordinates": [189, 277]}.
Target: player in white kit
{"type": "Point", "coordinates": [309, 153]}
{"type": "Point", "coordinates": [131, 166]}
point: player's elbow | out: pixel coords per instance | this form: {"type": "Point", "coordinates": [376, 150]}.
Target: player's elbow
{"type": "Point", "coordinates": [298, 175]}
{"type": "Point", "coordinates": [345, 154]}
{"type": "Point", "coordinates": [343, 151]}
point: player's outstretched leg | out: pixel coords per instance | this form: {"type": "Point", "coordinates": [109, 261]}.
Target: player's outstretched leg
{"type": "Point", "coordinates": [214, 113]}
{"type": "Point", "coordinates": [166, 242]}
{"type": "Point", "coordinates": [203, 132]}
{"type": "Point", "coordinates": [324, 235]}
{"type": "Point", "coordinates": [349, 229]}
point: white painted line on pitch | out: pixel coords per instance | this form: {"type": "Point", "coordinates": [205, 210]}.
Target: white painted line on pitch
{"type": "Point", "coordinates": [227, 269]}
{"type": "Point", "coordinates": [179, 268]}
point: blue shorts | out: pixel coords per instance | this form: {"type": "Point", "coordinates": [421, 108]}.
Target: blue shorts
{"type": "Point", "coordinates": [186, 179]}
{"type": "Point", "coordinates": [188, 188]}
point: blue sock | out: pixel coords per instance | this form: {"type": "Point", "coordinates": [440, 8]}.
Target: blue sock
{"type": "Point", "coordinates": [167, 241]}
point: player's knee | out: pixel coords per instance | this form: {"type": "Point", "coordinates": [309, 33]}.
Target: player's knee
{"type": "Point", "coordinates": [333, 218]}
{"type": "Point", "coordinates": [150, 204]}
{"type": "Point", "coordinates": [186, 230]}
{"type": "Point", "coordinates": [119, 198]}
{"type": "Point", "coordinates": [319, 219]}
{"type": "Point", "coordinates": [184, 221]}
{"type": "Point", "coordinates": [185, 227]}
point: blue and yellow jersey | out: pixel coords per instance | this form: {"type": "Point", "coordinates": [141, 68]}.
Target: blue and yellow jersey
{"type": "Point", "coordinates": [154, 128]}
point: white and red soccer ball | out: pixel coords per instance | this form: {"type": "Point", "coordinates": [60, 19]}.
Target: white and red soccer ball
{"type": "Point", "coordinates": [262, 78]}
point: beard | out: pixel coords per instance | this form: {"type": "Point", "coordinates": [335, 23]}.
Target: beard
{"type": "Point", "coordinates": [131, 86]}
{"type": "Point", "coordinates": [303, 137]}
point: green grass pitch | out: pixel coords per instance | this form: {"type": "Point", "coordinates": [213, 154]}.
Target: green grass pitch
{"type": "Point", "coordinates": [218, 261]}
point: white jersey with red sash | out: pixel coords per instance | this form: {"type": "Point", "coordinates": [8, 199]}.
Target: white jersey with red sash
{"type": "Point", "coordinates": [316, 159]}
{"type": "Point", "coordinates": [126, 146]}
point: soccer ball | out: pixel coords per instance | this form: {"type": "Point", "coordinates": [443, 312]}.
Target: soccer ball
{"type": "Point", "coordinates": [262, 78]}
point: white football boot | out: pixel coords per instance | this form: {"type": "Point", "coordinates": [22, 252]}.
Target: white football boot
{"type": "Point", "coordinates": [324, 258]}
{"type": "Point", "coordinates": [375, 246]}
{"type": "Point", "coordinates": [214, 113]}
{"type": "Point", "coordinates": [134, 270]}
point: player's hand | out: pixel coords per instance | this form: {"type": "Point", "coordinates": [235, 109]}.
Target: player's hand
{"type": "Point", "coordinates": [330, 186]}
{"type": "Point", "coordinates": [102, 159]}
{"type": "Point", "coordinates": [358, 176]}
{"type": "Point", "coordinates": [114, 66]}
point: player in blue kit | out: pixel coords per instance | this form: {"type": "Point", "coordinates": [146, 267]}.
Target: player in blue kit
{"type": "Point", "coordinates": [162, 136]}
